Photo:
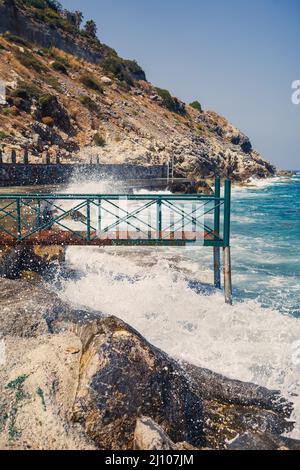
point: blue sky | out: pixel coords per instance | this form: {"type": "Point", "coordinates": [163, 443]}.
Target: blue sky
{"type": "Point", "coordinates": [237, 57]}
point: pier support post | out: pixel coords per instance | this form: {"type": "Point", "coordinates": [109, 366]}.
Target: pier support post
{"type": "Point", "coordinates": [227, 275]}
{"type": "Point", "coordinates": [217, 267]}
{"type": "Point", "coordinates": [217, 253]}
{"type": "Point", "coordinates": [226, 246]}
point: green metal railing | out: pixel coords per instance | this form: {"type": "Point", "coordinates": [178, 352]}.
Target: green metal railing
{"type": "Point", "coordinates": [116, 219]}
{"type": "Point", "coordinates": [122, 219]}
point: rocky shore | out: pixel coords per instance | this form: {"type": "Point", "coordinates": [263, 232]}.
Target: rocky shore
{"type": "Point", "coordinates": [74, 379]}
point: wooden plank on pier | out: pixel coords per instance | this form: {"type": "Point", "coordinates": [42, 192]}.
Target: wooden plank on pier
{"type": "Point", "coordinates": [66, 238]}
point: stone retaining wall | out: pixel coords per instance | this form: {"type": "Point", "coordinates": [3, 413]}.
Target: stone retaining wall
{"type": "Point", "coordinates": [17, 174]}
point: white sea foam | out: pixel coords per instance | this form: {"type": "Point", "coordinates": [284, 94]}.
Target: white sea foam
{"type": "Point", "coordinates": [149, 290]}
{"type": "Point", "coordinates": [263, 182]}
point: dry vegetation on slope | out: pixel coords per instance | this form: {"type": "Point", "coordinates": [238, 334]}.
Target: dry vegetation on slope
{"type": "Point", "coordinates": [61, 103]}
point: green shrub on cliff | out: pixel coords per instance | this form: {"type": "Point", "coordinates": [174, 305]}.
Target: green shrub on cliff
{"type": "Point", "coordinates": [124, 86]}
{"type": "Point", "coordinates": [16, 39]}
{"type": "Point", "coordinates": [135, 69]}
{"type": "Point", "coordinates": [88, 103]}
{"type": "Point", "coordinates": [45, 100]}
{"type": "Point", "coordinates": [59, 67]}
{"type": "Point", "coordinates": [5, 111]}
{"type": "Point", "coordinates": [57, 56]}
{"type": "Point", "coordinates": [23, 96]}
{"type": "Point", "coordinates": [54, 4]}
{"type": "Point", "coordinates": [54, 19]}
{"type": "Point", "coordinates": [29, 61]}
{"type": "Point", "coordinates": [99, 140]}
{"type": "Point", "coordinates": [196, 105]}
{"type": "Point", "coordinates": [54, 83]}
{"type": "Point", "coordinates": [116, 66]}
{"type": "Point", "coordinates": [89, 81]}
{"type": "Point", "coordinates": [42, 4]}
{"type": "Point", "coordinates": [170, 102]}
{"type": "Point", "coordinates": [27, 91]}
{"type": "Point", "coordinates": [3, 135]}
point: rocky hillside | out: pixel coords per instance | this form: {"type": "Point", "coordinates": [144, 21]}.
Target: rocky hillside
{"type": "Point", "coordinates": [68, 93]}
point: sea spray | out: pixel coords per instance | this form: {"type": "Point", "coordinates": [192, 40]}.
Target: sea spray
{"type": "Point", "coordinates": [166, 294]}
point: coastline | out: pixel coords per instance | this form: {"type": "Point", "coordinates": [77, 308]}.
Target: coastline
{"type": "Point", "coordinates": [197, 317]}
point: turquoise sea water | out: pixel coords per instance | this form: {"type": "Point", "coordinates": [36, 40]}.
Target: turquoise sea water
{"type": "Point", "coordinates": [266, 244]}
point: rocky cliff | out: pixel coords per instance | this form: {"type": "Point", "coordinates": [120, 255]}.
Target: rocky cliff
{"type": "Point", "coordinates": [67, 92]}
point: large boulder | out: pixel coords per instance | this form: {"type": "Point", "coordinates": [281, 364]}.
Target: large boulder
{"type": "Point", "coordinates": [122, 377]}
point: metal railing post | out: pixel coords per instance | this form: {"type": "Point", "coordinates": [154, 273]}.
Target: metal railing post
{"type": "Point", "coordinates": [172, 233]}
{"type": "Point", "coordinates": [158, 218]}
{"type": "Point", "coordinates": [118, 220]}
{"type": "Point", "coordinates": [38, 217]}
{"type": "Point", "coordinates": [88, 220]}
{"type": "Point", "coordinates": [194, 215]}
{"type": "Point", "coordinates": [182, 223]}
{"type": "Point", "coordinates": [19, 234]}
{"type": "Point", "coordinates": [149, 212]}
{"type": "Point", "coordinates": [99, 218]}
{"type": "Point", "coordinates": [216, 249]}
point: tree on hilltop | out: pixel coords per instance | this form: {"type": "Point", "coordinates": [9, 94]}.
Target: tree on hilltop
{"type": "Point", "coordinates": [79, 17]}
{"type": "Point", "coordinates": [90, 29]}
